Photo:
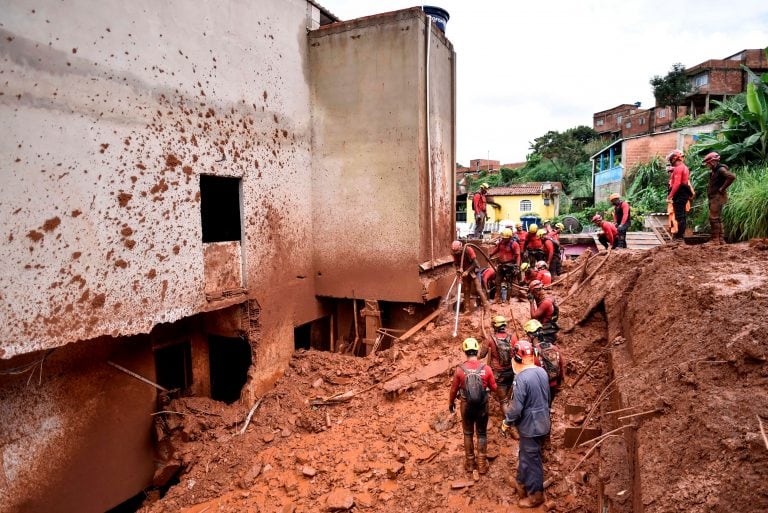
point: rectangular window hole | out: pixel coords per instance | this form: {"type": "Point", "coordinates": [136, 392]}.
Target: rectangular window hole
{"type": "Point", "coordinates": [229, 360]}
{"type": "Point", "coordinates": [313, 335]}
{"type": "Point", "coordinates": [220, 208]}
{"type": "Point", "coordinates": [173, 366]}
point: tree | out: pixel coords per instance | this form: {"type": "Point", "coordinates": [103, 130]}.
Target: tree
{"type": "Point", "coordinates": [670, 91]}
{"type": "Point", "coordinates": [564, 148]}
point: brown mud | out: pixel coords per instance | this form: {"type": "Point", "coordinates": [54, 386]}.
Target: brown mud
{"type": "Point", "coordinates": [679, 339]}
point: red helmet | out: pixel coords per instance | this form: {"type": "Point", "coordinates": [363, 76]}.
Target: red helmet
{"type": "Point", "coordinates": [535, 285]}
{"type": "Point", "coordinates": [456, 246]}
{"type": "Point", "coordinates": [520, 349]}
{"type": "Point", "coordinates": [674, 156]}
{"type": "Point", "coordinates": [712, 157]}
{"type": "Point", "coordinates": [597, 219]}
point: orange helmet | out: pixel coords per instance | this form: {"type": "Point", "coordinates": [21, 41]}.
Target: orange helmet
{"type": "Point", "coordinates": [456, 246]}
{"type": "Point", "coordinates": [712, 157]}
{"type": "Point", "coordinates": [535, 285]}
{"type": "Point", "coordinates": [674, 156]}
{"type": "Point", "coordinates": [597, 219]}
{"type": "Point", "coordinates": [520, 349]}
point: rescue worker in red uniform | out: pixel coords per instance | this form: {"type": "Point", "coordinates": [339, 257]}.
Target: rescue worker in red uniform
{"type": "Point", "coordinates": [488, 281]}
{"type": "Point", "coordinates": [479, 205]}
{"type": "Point", "coordinates": [680, 191]}
{"type": "Point", "coordinates": [551, 252]}
{"type": "Point", "coordinates": [467, 271]}
{"type": "Point", "coordinates": [555, 233]}
{"type": "Point", "coordinates": [528, 272]}
{"type": "Point", "coordinates": [720, 178]}
{"type": "Point", "coordinates": [508, 266]}
{"type": "Point", "coordinates": [548, 356]}
{"type": "Point", "coordinates": [621, 218]}
{"type": "Point", "coordinates": [534, 248]}
{"type": "Point", "coordinates": [542, 274]}
{"type": "Point", "coordinates": [472, 380]}
{"type": "Point", "coordinates": [609, 233]}
{"type": "Point", "coordinates": [543, 309]}
{"type": "Point", "coordinates": [500, 357]}
{"type": "Point", "coordinates": [522, 235]}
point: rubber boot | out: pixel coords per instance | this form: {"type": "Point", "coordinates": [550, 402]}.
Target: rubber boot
{"type": "Point", "coordinates": [482, 458]}
{"type": "Point", "coordinates": [520, 489]}
{"type": "Point", "coordinates": [716, 233]}
{"type": "Point", "coordinates": [531, 501]}
{"type": "Point", "coordinates": [469, 453]}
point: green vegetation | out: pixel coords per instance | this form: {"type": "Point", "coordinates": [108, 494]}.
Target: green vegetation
{"type": "Point", "coordinates": [670, 90]}
{"type": "Point", "coordinates": [745, 216]}
{"type": "Point", "coordinates": [719, 114]}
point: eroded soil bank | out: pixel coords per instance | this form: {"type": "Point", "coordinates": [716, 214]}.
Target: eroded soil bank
{"type": "Point", "coordinates": [679, 340]}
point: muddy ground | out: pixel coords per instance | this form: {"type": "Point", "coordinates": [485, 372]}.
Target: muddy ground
{"type": "Point", "coordinates": [678, 341]}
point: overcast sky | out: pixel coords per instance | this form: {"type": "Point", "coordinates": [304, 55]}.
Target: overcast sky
{"type": "Point", "coordinates": [526, 67]}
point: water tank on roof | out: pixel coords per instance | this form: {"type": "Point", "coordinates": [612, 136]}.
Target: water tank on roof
{"type": "Point", "coordinates": [439, 15]}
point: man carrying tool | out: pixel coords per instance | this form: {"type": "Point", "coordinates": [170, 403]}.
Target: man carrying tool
{"type": "Point", "coordinates": [551, 252]}
{"type": "Point", "coordinates": [549, 356]}
{"type": "Point", "coordinates": [465, 272]}
{"type": "Point", "coordinates": [543, 308]}
{"type": "Point", "coordinates": [609, 232]}
{"type": "Point", "coordinates": [500, 357]}
{"type": "Point", "coordinates": [472, 380]}
{"type": "Point", "coordinates": [508, 264]}
{"type": "Point", "coordinates": [521, 234]}
{"type": "Point", "coordinates": [720, 178]}
{"type": "Point", "coordinates": [479, 205]}
{"type": "Point", "coordinates": [680, 191]}
{"type": "Point", "coordinates": [621, 219]}
{"type": "Point", "coordinates": [530, 413]}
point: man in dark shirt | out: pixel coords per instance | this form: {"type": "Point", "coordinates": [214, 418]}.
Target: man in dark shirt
{"type": "Point", "coordinates": [621, 218]}
{"type": "Point", "coordinates": [720, 178]}
{"type": "Point", "coordinates": [530, 413]}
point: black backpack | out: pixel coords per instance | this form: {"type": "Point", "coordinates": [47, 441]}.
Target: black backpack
{"type": "Point", "coordinates": [504, 349]}
{"type": "Point", "coordinates": [474, 391]}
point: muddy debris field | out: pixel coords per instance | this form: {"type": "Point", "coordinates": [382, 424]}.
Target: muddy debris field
{"type": "Point", "coordinates": [672, 348]}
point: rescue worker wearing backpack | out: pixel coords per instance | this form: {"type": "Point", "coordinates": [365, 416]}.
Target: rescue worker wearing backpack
{"type": "Point", "coordinates": [551, 252]}
{"type": "Point", "coordinates": [471, 381]}
{"type": "Point", "coordinates": [549, 356]}
{"type": "Point", "coordinates": [543, 309]}
{"type": "Point", "coordinates": [533, 245]}
{"type": "Point", "coordinates": [500, 358]}
{"type": "Point", "coordinates": [542, 273]}
{"type": "Point", "coordinates": [530, 413]}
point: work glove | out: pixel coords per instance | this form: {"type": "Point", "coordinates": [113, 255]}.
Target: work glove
{"type": "Point", "coordinates": [452, 408]}
{"type": "Point", "coordinates": [505, 428]}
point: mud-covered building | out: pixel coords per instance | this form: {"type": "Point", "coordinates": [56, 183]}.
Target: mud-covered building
{"type": "Point", "coordinates": [189, 195]}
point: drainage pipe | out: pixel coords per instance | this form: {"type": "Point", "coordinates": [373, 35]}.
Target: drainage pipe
{"type": "Point", "coordinates": [428, 39]}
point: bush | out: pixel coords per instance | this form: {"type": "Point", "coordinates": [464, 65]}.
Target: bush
{"type": "Point", "coordinates": [745, 216]}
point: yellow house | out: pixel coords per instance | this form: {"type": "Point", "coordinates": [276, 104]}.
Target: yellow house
{"type": "Point", "coordinates": [537, 199]}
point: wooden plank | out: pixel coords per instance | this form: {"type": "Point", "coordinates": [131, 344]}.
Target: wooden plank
{"type": "Point", "coordinates": [431, 370]}
{"type": "Point", "coordinates": [426, 320]}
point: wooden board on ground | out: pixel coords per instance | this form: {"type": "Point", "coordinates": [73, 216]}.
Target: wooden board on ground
{"type": "Point", "coordinates": [637, 240]}
{"type": "Point", "coordinates": [431, 370]}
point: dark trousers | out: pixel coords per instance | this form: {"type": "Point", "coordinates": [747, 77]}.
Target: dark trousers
{"type": "Point", "coordinates": [474, 418]}
{"type": "Point", "coordinates": [622, 236]}
{"type": "Point", "coordinates": [716, 203]}
{"type": "Point", "coordinates": [479, 225]}
{"type": "Point", "coordinates": [678, 204]}
{"type": "Point", "coordinates": [530, 468]}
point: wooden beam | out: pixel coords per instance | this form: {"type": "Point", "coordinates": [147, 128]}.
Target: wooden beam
{"type": "Point", "coordinates": [418, 326]}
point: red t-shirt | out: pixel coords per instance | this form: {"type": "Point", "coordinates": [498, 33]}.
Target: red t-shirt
{"type": "Point", "coordinates": [624, 207]}
{"type": "Point", "coordinates": [610, 231]}
{"type": "Point", "coordinates": [478, 203]}
{"type": "Point", "coordinates": [680, 176]}
{"type": "Point", "coordinates": [549, 250]}
{"type": "Point", "coordinates": [545, 311]}
{"type": "Point", "coordinates": [508, 251]}
{"type": "Point", "coordinates": [544, 276]}
{"type": "Point", "coordinates": [458, 377]}
{"type": "Point", "coordinates": [522, 236]}
{"type": "Point", "coordinates": [469, 257]}
{"type": "Point", "coordinates": [533, 242]}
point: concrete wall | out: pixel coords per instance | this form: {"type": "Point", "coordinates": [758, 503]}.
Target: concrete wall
{"type": "Point", "coordinates": [112, 112]}
{"type": "Point", "coordinates": [371, 184]}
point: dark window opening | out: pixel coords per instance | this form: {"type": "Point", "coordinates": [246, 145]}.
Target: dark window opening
{"type": "Point", "coordinates": [173, 366]}
{"type": "Point", "coordinates": [220, 208]}
{"type": "Point", "coordinates": [313, 335]}
{"type": "Point", "coordinates": [229, 359]}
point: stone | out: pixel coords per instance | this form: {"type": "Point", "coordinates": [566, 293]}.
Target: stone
{"type": "Point", "coordinates": [394, 469]}
{"type": "Point", "coordinates": [317, 383]}
{"type": "Point", "coordinates": [268, 437]}
{"type": "Point", "coordinates": [339, 499]}
{"type": "Point", "coordinates": [250, 476]}
{"type": "Point", "coordinates": [165, 474]}
{"type": "Point", "coordinates": [458, 485]}
{"type": "Point", "coordinates": [309, 471]}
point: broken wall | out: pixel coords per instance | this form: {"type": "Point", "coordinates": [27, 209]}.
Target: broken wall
{"type": "Point", "coordinates": [371, 186]}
